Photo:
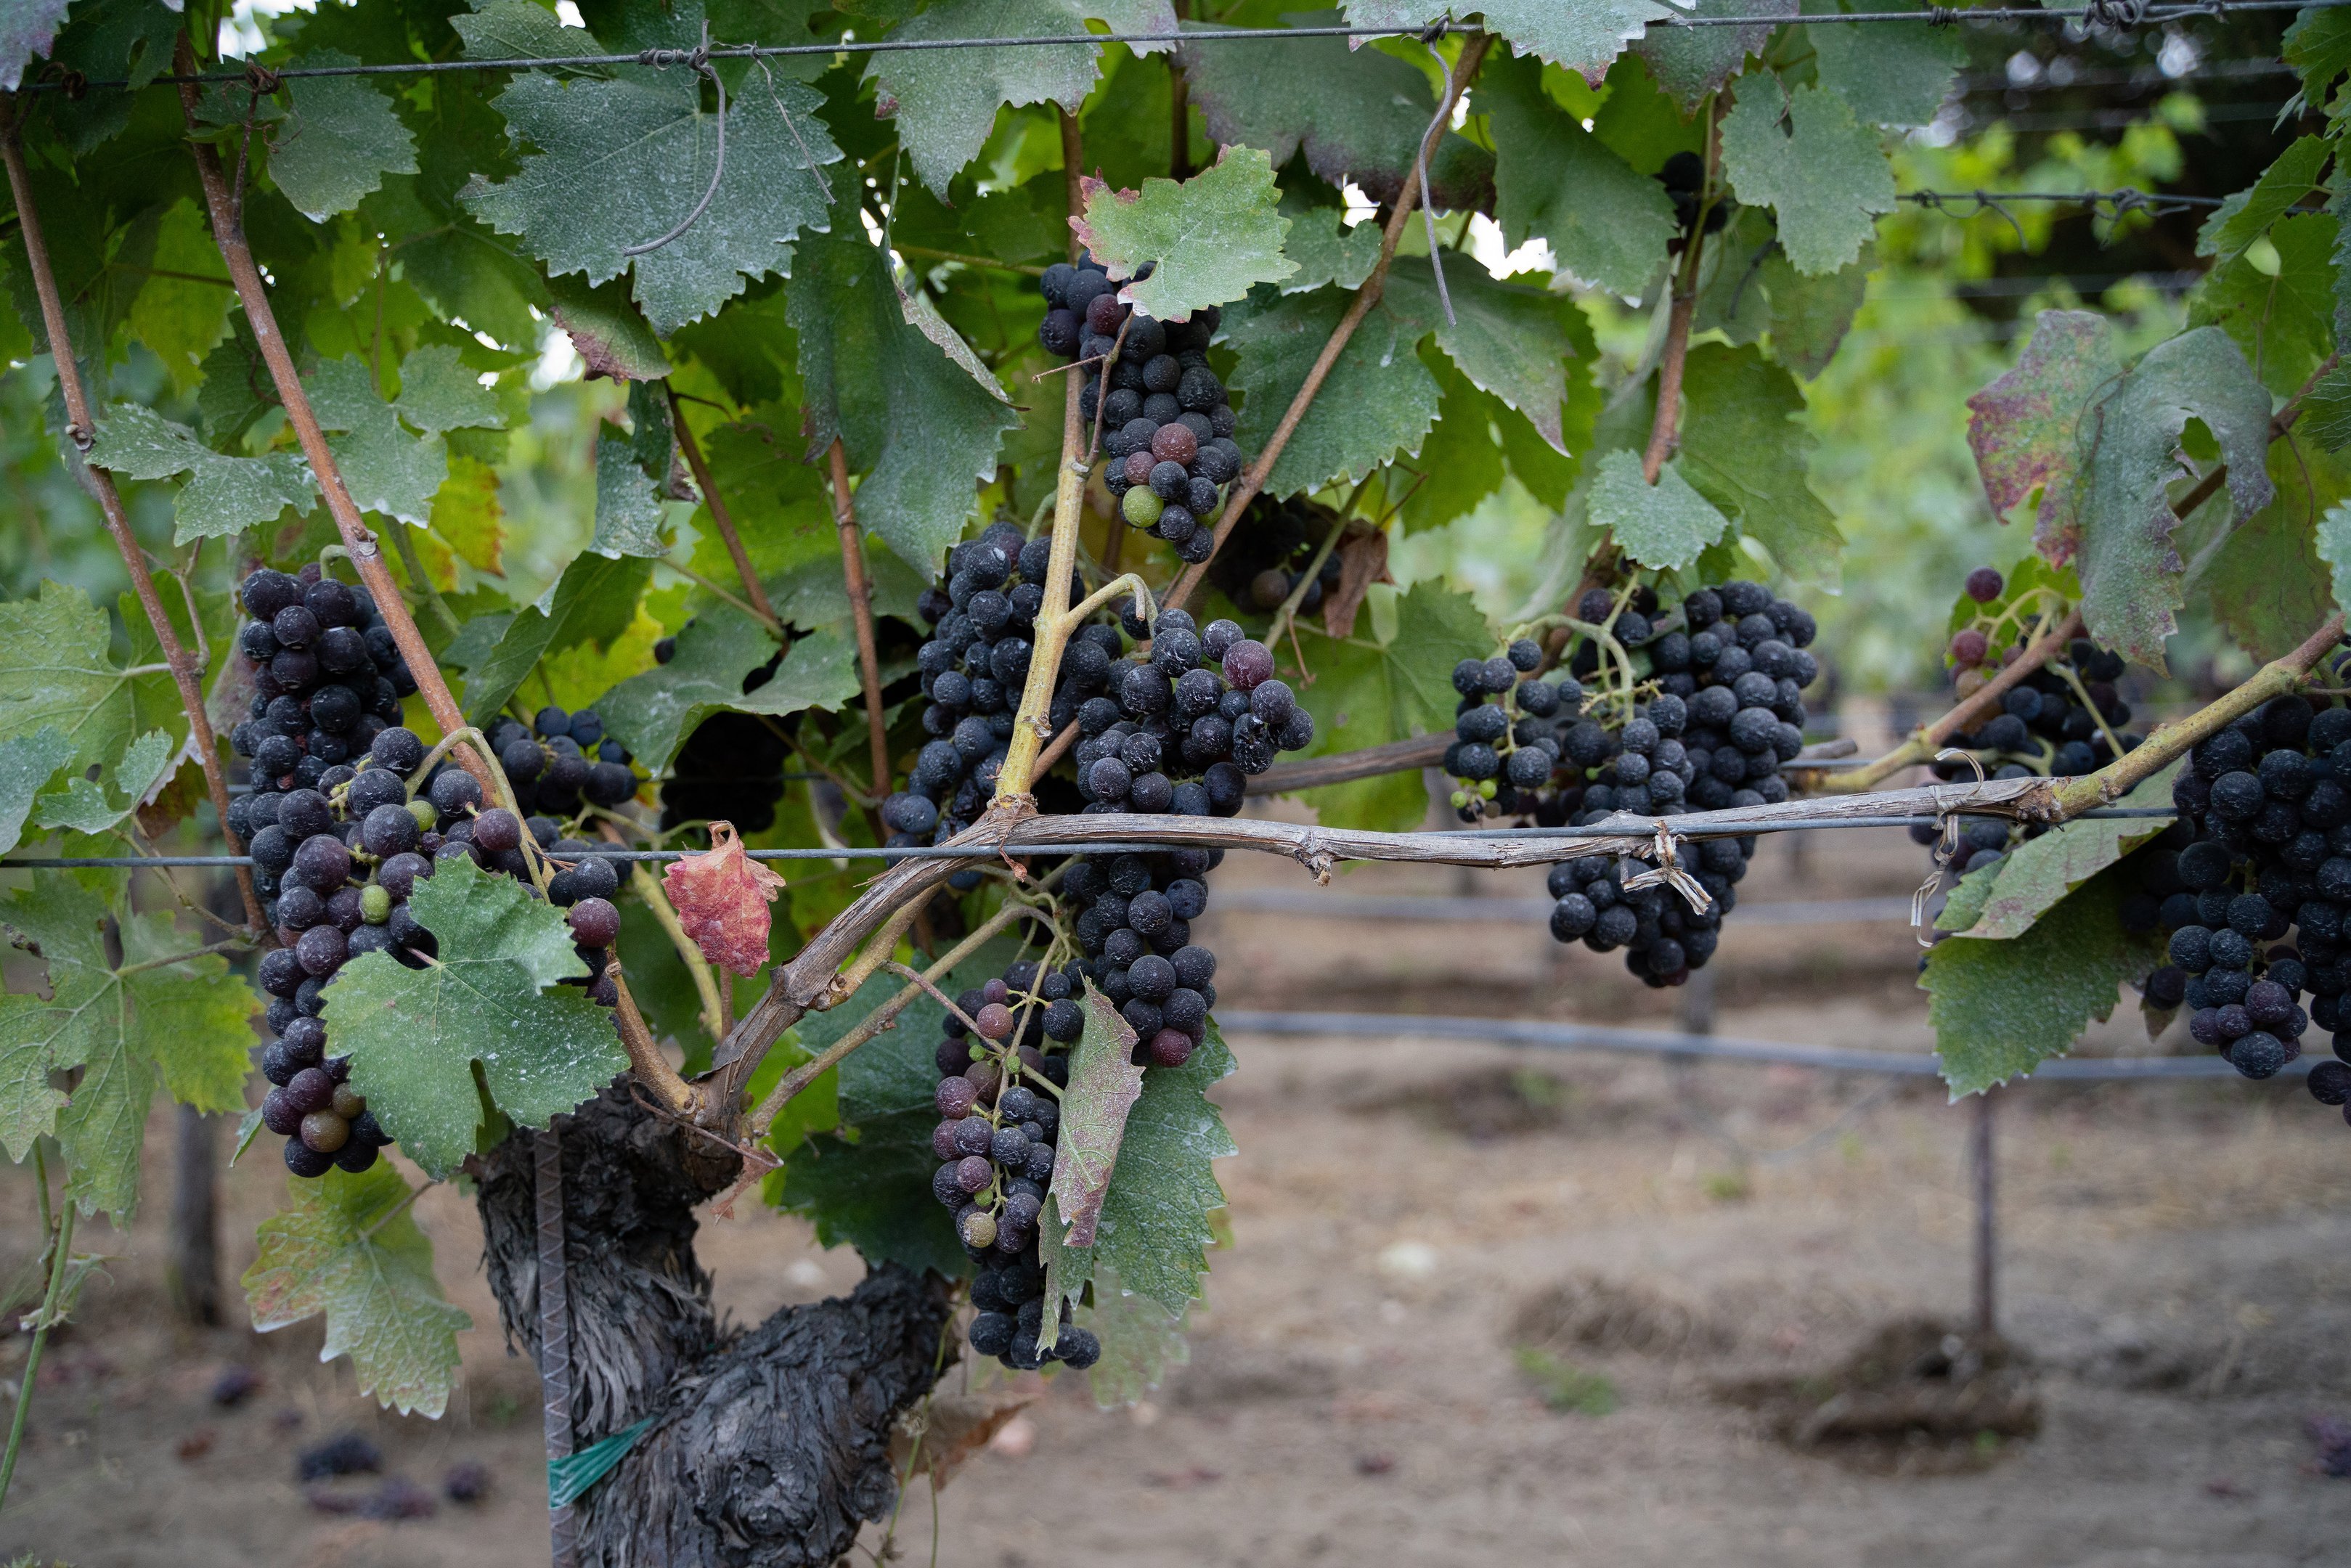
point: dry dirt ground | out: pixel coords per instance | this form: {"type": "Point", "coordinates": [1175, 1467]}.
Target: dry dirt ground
{"type": "Point", "coordinates": [2176, 1280]}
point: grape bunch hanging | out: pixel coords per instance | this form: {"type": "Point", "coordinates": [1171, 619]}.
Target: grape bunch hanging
{"type": "Point", "coordinates": [1660, 712]}
{"type": "Point", "coordinates": [1160, 415]}
{"type": "Point", "coordinates": [2262, 852]}
{"type": "Point", "coordinates": [1002, 1064]}
{"type": "Point", "coordinates": [343, 821]}
{"type": "Point", "coordinates": [1273, 549]}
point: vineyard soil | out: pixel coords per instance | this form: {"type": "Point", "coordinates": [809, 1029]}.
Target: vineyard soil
{"type": "Point", "coordinates": [2181, 1300]}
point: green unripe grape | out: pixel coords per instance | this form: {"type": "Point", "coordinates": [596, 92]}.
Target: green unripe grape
{"type": "Point", "coordinates": [979, 1226]}
{"type": "Point", "coordinates": [1460, 799]}
{"type": "Point", "coordinates": [1486, 787]}
{"type": "Point", "coordinates": [1142, 507]}
{"type": "Point", "coordinates": [426, 817]}
{"type": "Point", "coordinates": [375, 904]}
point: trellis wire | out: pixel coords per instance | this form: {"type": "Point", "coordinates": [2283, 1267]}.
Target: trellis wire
{"type": "Point", "coordinates": [2108, 13]}
{"type": "Point", "coordinates": [1716, 827]}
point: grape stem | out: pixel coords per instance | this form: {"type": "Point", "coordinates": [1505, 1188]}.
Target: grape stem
{"type": "Point", "coordinates": [187, 668]}
{"type": "Point", "coordinates": [499, 788]}
{"type": "Point", "coordinates": [1666, 426]}
{"type": "Point", "coordinates": [405, 548]}
{"type": "Point", "coordinates": [724, 520]}
{"type": "Point", "coordinates": [253, 294]}
{"type": "Point", "coordinates": [954, 1008]}
{"type": "Point", "coordinates": [861, 610]}
{"type": "Point", "coordinates": [1473, 55]}
{"type": "Point", "coordinates": [60, 1259]}
{"type": "Point", "coordinates": [2117, 779]}
{"type": "Point", "coordinates": [1930, 738]}
{"type": "Point", "coordinates": [651, 1068]}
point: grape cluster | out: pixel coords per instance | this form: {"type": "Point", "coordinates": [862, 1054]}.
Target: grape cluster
{"type": "Point", "coordinates": [1164, 422]}
{"type": "Point", "coordinates": [2043, 726]}
{"type": "Point", "coordinates": [731, 768]}
{"type": "Point", "coordinates": [2265, 817]}
{"type": "Point", "coordinates": [559, 759]}
{"type": "Point", "coordinates": [1133, 923]}
{"type": "Point", "coordinates": [1182, 729]}
{"type": "Point", "coordinates": [995, 1141]}
{"type": "Point", "coordinates": [1265, 558]}
{"type": "Point", "coordinates": [338, 850]}
{"type": "Point", "coordinates": [327, 678]}
{"type": "Point", "coordinates": [1684, 178]}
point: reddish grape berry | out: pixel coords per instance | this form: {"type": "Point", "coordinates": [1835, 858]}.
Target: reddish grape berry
{"type": "Point", "coordinates": [1969, 647]}
{"type": "Point", "coordinates": [996, 990]}
{"type": "Point", "coordinates": [496, 832]}
{"type": "Point", "coordinates": [310, 1089]}
{"type": "Point", "coordinates": [594, 923]}
{"type": "Point", "coordinates": [995, 1020]}
{"type": "Point", "coordinates": [973, 1173]}
{"type": "Point", "coordinates": [1984, 585]}
{"type": "Point", "coordinates": [955, 1098]}
{"type": "Point", "coordinates": [1247, 663]}
{"type": "Point", "coordinates": [1170, 1048]}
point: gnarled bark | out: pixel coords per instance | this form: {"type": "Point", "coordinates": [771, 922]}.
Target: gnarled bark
{"type": "Point", "coordinates": [768, 1447]}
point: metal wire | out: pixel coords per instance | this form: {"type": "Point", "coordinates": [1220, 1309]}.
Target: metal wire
{"type": "Point", "coordinates": [1723, 1047]}
{"type": "Point", "coordinates": [1938, 16]}
{"type": "Point", "coordinates": [1718, 825]}
{"type": "Point", "coordinates": [2127, 199]}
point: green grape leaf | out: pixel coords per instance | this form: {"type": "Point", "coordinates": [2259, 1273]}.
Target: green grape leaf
{"type": "Point", "coordinates": [86, 805]}
{"type": "Point", "coordinates": [620, 161]}
{"type": "Point", "coordinates": [106, 40]}
{"type": "Point", "coordinates": [339, 141]}
{"type": "Point", "coordinates": [916, 420]}
{"type": "Point", "coordinates": [2001, 1009]}
{"type": "Point", "coordinates": [594, 600]}
{"type": "Point", "coordinates": [440, 392]}
{"type": "Point", "coordinates": [944, 100]}
{"type": "Point", "coordinates": [415, 1036]}
{"type": "Point", "coordinates": [1809, 316]}
{"type": "Point", "coordinates": [1510, 340]}
{"type": "Point", "coordinates": [2117, 526]}
{"type": "Point", "coordinates": [1803, 156]}
{"type": "Point", "coordinates": [1209, 238]}
{"type": "Point", "coordinates": [385, 467]}
{"type": "Point", "coordinates": [184, 1028]}
{"type": "Point", "coordinates": [1691, 62]}
{"type": "Point", "coordinates": [610, 334]}
{"type": "Point", "coordinates": [2333, 540]}
{"type": "Point", "coordinates": [222, 496]}
{"type": "Point", "coordinates": [1460, 463]}
{"type": "Point", "coordinates": [27, 762]}
{"type": "Point", "coordinates": [2247, 215]}
{"type": "Point", "coordinates": [182, 318]}
{"type": "Point", "coordinates": [26, 29]}
{"type": "Point", "coordinates": [1358, 115]}
{"type": "Point", "coordinates": [1745, 448]}
{"type": "Point", "coordinates": [1324, 248]}
{"type": "Point", "coordinates": [1154, 1227]}
{"type": "Point", "coordinates": [1891, 73]}
{"type": "Point", "coordinates": [1104, 1083]}
{"type": "Point", "coordinates": [651, 714]}
{"type": "Point", "coordinates": [629, 515]}
{"type": "Point", "coordinates": [1664, 525]}
{"type": "Point", "coordinates": [1582, 36]}
{"type": "Point", "coordinates": [2285, 323]}
{"type": "Point", "coordinates": [1606, 224]}
{"type": "Point", "coordinates": [520, 30]}
{"type": "Point", "coordinates": [2318, 47]}
{"type": "Point", "coordinates": [58, 670]}
{"type": "Point", "coordinates": [1141, 1339]}
{"type": "Point", "coordinates": [1390, 680]}
{"type": "Point", "coordinates": [349, 1245]}
{"type": "Point", "coordinates": [2267, 585]}
{"type": "Point", "coordinates": [2025, 427]}
{"type": "Point", "coordinates": [1378, 398]}
{"type": "Point", "coordinates": [2029, 880]}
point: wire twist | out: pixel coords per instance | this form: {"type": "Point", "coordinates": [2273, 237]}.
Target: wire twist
{"type": "Point", "coordinates": [699, 58]}
{"type": "Point", "coordinates": [1669, 873]}
{"type": "Point", "coordinates": [1947, 837]}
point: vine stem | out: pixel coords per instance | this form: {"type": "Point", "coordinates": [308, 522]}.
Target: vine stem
{"type": "Point", "coordinates": [644, 1057]}
{"type": "Point", "coordinates": [187, 670]}
{"type": "Point", "coordinates": [753, 589]}
{"type": "Point", "coordinates": [60, 1261]}
{"type": "Point", "coordinates": [1930, 738]}
{"type": "Point", "coordinates": [881, 1017]}
{"type": "Point", "coordinates": [1473, 55]}
{"type": "Point", "coordinates": [1666, 425]}
{"type": "Point", "coordinates": [861, 610]}
{"type": "Point", "coordinates": [1031, 728]}
{"type": "Point", "coordinates": [253, 294]}
{"type": "Point", "coordinates": [2274, 679]}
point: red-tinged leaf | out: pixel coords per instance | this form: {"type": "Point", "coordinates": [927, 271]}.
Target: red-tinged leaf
{"type": "Point", "coordinates": [2024, 426]}
{"type": "Point", "coordinates": [1103, 1085]}
{"type": "Point", "coordinates": [722, 899]}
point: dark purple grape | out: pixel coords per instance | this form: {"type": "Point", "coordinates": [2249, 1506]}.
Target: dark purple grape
{"type": "Point", "coordinates": [399, 750]}
{"type": "Point", "coordinates": [389, 831]}
{"type": "Point", "coordinates": [455, 793]}
{"type": "Point", "coordinates": [294, 627]}
{"type": "Point", "coordinates": [495, 830]}
{"type": "Point", "coordinates": [594, 923]}
{"type": "Point", "coordinates": [310, 1089]}
{"type": "Point", "coordinates": [399, 875]}
{"type": "Point", "coordinates": [323, 862]}
{"type": "Point", "coordinates": [306, 1161]}
{"type": "Point", "coordinates": [356, 1156]}
{"type": "Point", "coordinates": [266, 592]}
{"type": "Point", "coordinates": [279, 1113]}
{"type": "Point", "coordinates": [321, 950]}
{"type": "Point", "coordinates": [279, 972]}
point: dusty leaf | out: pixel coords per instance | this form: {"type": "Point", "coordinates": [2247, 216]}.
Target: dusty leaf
{"type": "Point", "coordinates": [338, 141]}
{"type": "Point", "coordinates": [224, 495]}
{"type": "Point", "coordinates": [348, 1246]}
{"type": "Point", "coordinates": [2029, 880]}
{"type": "Point", "coordinates": [1806, 157]}
{"type": "Point", "coordinates": [1747, 447]}
{"type": "Point", "coordinates": [88, 805]}
{"type": "Point", "coordinates": [415, 1036]}
{"type": "Point", "coordinates": [2026, 426]}
{"type": "Point", "coordinates": [1141, 1339]}
{"type": "Point", "coordinates": [721, 897]}
{"type": "Point", "coordinates": [946, 100]}
{"type": "Point", "coordinates": [1606, 224]}
{"type": "Point", "coordinates": [1207, 239]}
{"type": "Point", "coordinates": [1892, 73]}
{"type": "Point", "coordinates": [2246, 216]}
{"type": "Point", "coordinates": [1664, 525]}
{"type": "Point", "coordinates": [28, 763]}
{"type": "Point", "coordinates": [1691, 62]}
{"type": "Point", "coordinates": [1103, 1085]}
